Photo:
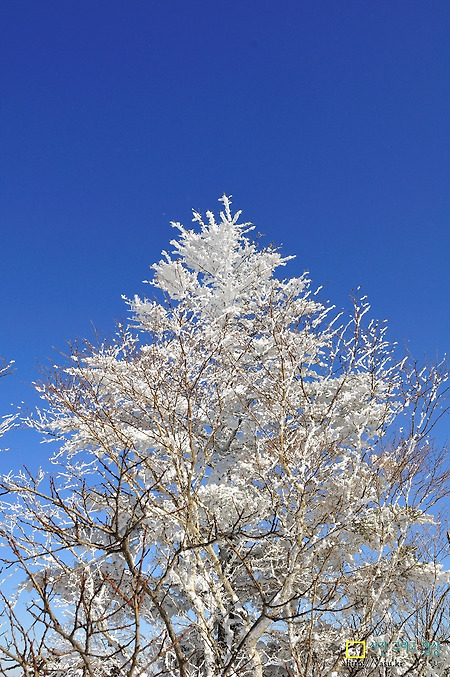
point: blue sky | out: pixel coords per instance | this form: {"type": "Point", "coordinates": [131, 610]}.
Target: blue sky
{"type": "Point", "coordinates": [327, 121]}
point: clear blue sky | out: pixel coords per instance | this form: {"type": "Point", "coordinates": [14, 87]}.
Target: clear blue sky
{"type": "Point", "coordinates": [328, 122]}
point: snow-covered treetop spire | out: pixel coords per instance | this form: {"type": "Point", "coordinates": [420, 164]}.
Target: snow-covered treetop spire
{"type": "Point", "coordinates": [217, 267]}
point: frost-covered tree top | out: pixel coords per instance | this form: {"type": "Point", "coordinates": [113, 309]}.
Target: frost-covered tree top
{"type": "Point", "coordinates": [219, 270]}
{"type": "Point", "coordinates": [245, 480]}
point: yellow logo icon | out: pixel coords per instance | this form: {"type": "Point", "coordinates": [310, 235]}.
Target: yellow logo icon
{"type": "Point", "coordinates": [350, 646]}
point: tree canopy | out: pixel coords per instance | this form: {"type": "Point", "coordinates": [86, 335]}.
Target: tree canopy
{"type": "Point", "coordinates": [244, 481]}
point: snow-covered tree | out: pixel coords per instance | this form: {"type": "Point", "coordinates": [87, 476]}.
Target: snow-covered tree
{"type": "Point", "coordinates": [243, 482]}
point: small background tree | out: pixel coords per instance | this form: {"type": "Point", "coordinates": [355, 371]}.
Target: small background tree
{"type": "Point", "coordinates": [243, 481]}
